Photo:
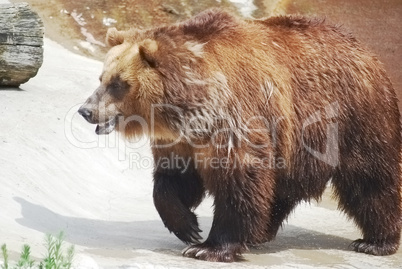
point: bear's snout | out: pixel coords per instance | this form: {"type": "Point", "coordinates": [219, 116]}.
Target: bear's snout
{"type": "Point", "coordinates": [86, 113]}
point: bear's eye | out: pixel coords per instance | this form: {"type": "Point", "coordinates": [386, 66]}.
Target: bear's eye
{"type": "Point", "coordinates": [118, 88]}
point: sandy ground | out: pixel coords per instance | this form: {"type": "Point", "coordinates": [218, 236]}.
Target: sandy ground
{"type": "Point", "coordinates": [57, 175]}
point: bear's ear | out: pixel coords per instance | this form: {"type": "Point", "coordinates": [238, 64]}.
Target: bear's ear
{"type": "Point", "coordinates": [114, 37]}
{"type": "Point", "coordinates": [148, 51]}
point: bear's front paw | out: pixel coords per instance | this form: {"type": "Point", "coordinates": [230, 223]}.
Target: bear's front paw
{"type": "Point", "coordinates": [215, 253]}
{"type": "Point", "coordinates": [374, 248]}
{"type": "Point", "coordinates": [188, 231]}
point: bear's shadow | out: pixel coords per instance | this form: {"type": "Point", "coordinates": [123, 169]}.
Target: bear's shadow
{"type": "Point", "coordinates": [152, 235]}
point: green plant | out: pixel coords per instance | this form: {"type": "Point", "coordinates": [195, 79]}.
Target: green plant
{"type": "Point", "coordinates": [25, 260]}
{"type": "Point", "coordinates": [54, 259]}
{"type": "Point", "coordinates": [5, 256]}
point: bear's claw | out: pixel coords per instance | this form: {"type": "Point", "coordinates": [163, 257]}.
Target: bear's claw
{"type": "Point", "coordinates": [374, 248]}
{"type": "Point", "coordinates": [185, 228]}
{"type": "Point", "coordinates": [218, 253]}
{"type": "Point", "coordinates": [191, 236]}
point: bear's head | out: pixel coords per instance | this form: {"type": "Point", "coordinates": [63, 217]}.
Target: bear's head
{"type": "Point", "coordinates": [166, 81]}
{"type": "Point", "coordinates": [129, 85]}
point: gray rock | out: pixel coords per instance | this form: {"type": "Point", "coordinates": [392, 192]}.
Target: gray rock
{"type": "Point", "coordinates": [21, 41]}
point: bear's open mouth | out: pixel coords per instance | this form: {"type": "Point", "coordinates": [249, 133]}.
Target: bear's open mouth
{"type": "Point", "coordinates": [106, 127]}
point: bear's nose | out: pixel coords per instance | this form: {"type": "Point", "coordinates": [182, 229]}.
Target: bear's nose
{"type": "Point", "coordinates": [85, 112]}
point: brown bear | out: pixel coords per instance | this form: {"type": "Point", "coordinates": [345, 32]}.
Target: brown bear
{"type": "Point", "coordinates": [261, 115]}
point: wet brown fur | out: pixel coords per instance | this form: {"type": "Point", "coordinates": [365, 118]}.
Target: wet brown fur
{"type": "Point", "coordinates": [221, 71]}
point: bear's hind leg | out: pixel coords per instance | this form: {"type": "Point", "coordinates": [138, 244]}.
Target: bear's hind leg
{"type": "Point", "coordinates": [375, 205]}
{"type": "Point", "coordinates": [280, 211]}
